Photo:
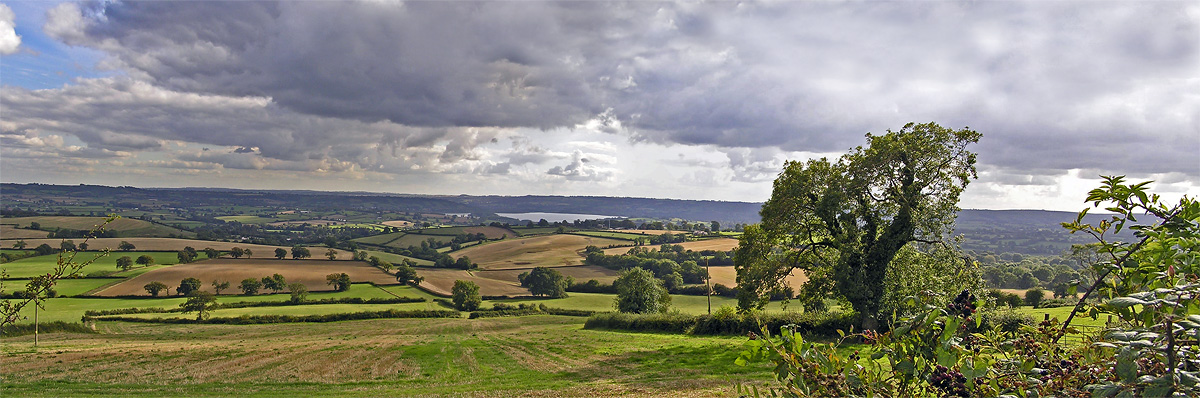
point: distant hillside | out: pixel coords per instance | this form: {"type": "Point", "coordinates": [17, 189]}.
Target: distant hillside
{"type": "Point", "coordinates": [123, 227]}
{"type": "Point", "coordinates": [1036, 232]}
{"type": "Point", "coordinates": [1022, 231]}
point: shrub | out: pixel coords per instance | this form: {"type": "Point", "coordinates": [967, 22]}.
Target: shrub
{"type": "Point", "coordinates": [1034, 296]}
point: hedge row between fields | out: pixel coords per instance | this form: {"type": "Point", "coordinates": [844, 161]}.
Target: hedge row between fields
{"type": "Point", "coordinates": [261, 319]}
{"type": "Point", "coordinates": [817, 323]}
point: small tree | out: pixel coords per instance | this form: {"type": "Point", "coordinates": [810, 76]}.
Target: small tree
{"type": "Point", "coordinates": [332, 254]}
{"type": "Point", "coordinates": [250, 286]}
{"type": "Point", "coordinates": [275, 283]}
{"type": "Point", "coordinates": [464, 263]}
{"type": "Point", "coordinates": [361, 255]}
{"type": "Point", "coordinates": [219, 286]}
{"type": "Point", "coordinates": [145, 260]}
{"type": "Point", "coordinates": [124, 263]}
{"type": "Point", "coordinates": [212, 253]}
{"type": "Point", "coordinates": [125, 246]}
{"type": "Point", "coordinates": [299, 292]}
{"type": "Point", "coordinates": [248, 252]}
{"type": "Point", "coordinates": [299, 252]}
{"type": "Point", "coordinates": [236, 252]}
{"type": "Point", "coordinates": [1034, 296]}
{"type": "Point", "coordinates": [66, 245]}
{"type": "Point", "coordinates": [35, 225]}
{"type": "Point", "coordinates": [185, 256]}
{"type": "Point", "coordinates": [200, 302]}
{"type": "Point", "coordinates": [466, 296]}
{"type": "Point", "coordinates": [639, 292]}
{"type": "Point", "coordinates": [340, 282]}
{"type": "Point", "coordinates": [407, 275]}
{"type": "Point", "coordinates": [187, 286]}
{"type": "Point", "coordinates": [20, 245]}
{"type": "Point", "coordinates": [83, 246]}
{"type": "Point", "coordinates": [154, 288]}
{"type": "Point", "coordinates": [280, 253]}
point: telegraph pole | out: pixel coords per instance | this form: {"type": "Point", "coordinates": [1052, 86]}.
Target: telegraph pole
{"type": "Point", "coordinates": [708, 284]}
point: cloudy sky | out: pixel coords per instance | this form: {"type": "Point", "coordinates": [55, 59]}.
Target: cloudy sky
{"type": "Point", "coordinates": [669, 100]}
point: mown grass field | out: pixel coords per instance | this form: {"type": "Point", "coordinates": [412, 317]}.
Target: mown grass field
{"type": "Point", "coordinates": [495, 357]}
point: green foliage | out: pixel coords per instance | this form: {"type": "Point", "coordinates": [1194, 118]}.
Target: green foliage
{"type": "Point", "coordinates": [298, 291]}
{"type": "Point", "coordinates": [465, 295]}
{"type": "Point", "coordinates": [639, 292]}
{"type": "Point", "coordinates": [299, 252]}
{"type": "Point", "coordinates": [218, 286]}
{"type": "Point", "coordinates": [250, 286]}
{"type": "Point", "coordinates": [339, 281]}
{"type": "Point", "coordinates": [145, 260]}
{"type": "Point", "coordinates": [407, 275]}
{"type": "Point", "coordinates": [211, 253]}
{"type": "Point", "coordinates": [854, 216]}
{"type": "Point", "coordinates": [280, 253]}
{"type": "Point", "coordinates": [125, 263]}
{"type": "Point", "coordinates": [154, 288]}
{"type": "Point", "coordinates": [275, 283]}
{"type": "Point", "coordinates": [1148, 286]}
{"type": "Point", "coordinates": [1034, 297]}
{"type": "Point", "coordinates": [45, 327]}
{"type": "Point", "coordinates": [200, 302]}
{"type": "Point", "coordinates": [263, 319]}
{"type": "Point", "coordinates": [543, 281]}
{"type": "Point", "coordinates": [187, 286]}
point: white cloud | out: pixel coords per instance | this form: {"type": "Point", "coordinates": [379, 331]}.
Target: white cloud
{"type": "Point", "coordinates": [9, 40]}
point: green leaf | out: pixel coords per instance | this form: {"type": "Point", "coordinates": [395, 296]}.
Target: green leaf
{"type": "Point", "coordinates": [1125, 302]}
{"type": "Point", "coordinates": [1126, 367]}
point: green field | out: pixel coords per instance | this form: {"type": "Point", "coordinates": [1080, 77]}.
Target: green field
{"type": "Point", "coordinates": [72, 309]}
{"type": "Point", "coordinates": [694, 305]}
{"type": "Point", "coordinates": [500, 357]}
{"type": "Point", "coordinates": [124, 227]}
{"type": "Point", "coordinates": [33, 266]}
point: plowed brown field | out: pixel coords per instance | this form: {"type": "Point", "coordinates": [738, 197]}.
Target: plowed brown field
{"type": "Point", "coordinates": [309, 272]}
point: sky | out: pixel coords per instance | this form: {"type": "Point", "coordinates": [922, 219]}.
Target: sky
{"type": "Point", "coordinates": [686, 100]}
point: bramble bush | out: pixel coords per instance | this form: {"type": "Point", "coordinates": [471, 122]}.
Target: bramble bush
{"type": "Point", "coordinates": [1149, 287]}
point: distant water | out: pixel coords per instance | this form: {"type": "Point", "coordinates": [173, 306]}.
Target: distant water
{"type": "Point", "coordinates": [553, 217]}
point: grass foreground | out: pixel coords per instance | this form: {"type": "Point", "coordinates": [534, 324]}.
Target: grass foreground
{"type": "Point", "coordinates": [515, 356]}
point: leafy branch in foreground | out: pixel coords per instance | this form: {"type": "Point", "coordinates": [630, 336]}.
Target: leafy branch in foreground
{"type": "Point", "coordinates": [1150, 287]}
{"type": "Point", "coordinates": [38, 287]}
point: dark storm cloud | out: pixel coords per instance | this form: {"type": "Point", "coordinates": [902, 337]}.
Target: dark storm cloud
{"type": "Point", "coordinates": [1052, 85]}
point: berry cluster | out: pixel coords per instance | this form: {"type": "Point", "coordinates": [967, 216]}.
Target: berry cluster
{"type": "Point", "coordinates": [949, 381]}
{"type": "Point", "coordinates": [963, 305]}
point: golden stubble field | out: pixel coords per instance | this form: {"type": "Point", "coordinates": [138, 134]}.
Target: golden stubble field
{"type": "Point", "coordinates": [309, 272]}
{"type": "Point", "coordinates": [542, 356]}
{"type": "Point", "coordinates": [538, 251]}
{"type": "Point", "coordinates": [727, 276]}
{"type": "Point", "coordinates": [723, 244]}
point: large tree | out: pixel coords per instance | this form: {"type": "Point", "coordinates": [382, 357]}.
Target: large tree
{"type": "Point", "coordinates": [465, 295]}
{"type": "Point", "coordinates": [844, 221]}
{"type": "Point", "coordinates": [639, 292]}
{"type": "Point", "coordinates": [543, 281]}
